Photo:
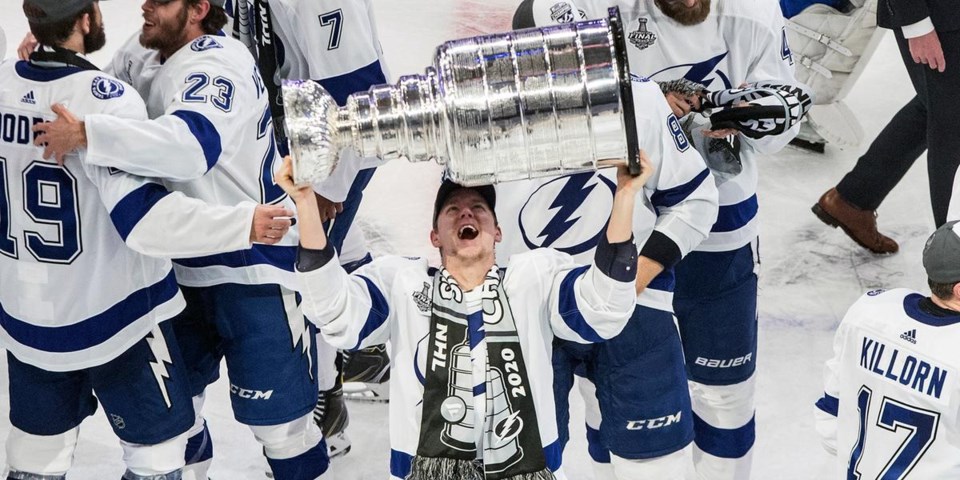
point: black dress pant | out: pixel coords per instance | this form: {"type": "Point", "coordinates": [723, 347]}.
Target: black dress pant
{"type": "Point", "coordinates": [930, 121]}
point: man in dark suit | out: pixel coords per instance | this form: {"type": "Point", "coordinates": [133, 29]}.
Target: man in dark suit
{"type": "Point", "coordinates": [928, 34]}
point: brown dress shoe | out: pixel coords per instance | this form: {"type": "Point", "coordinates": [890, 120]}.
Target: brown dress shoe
{"type": "Point", "coordinates": [860, 225]}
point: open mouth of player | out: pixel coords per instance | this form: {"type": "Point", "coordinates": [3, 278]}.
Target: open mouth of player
{"type": "Point", "coordinates": [467, 232]}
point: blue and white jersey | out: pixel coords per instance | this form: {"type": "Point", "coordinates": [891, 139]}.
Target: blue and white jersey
{"type": "Point", "coordinates": [76, 288]}
{"type": "Point", "coordinates": [210, 137]}
{"type": "Point", "coordinates": [891, 403]}
{"type": "Point", "coordinates": [334, 43]}
{"type": "Point", "coordinates": [569, 213]}
{"type": "Point", "coordinates": [390, 300]}
{"type": "Point", "coordinates": [741, 41]}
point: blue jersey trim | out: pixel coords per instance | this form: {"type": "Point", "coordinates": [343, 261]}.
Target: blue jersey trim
{"type": "Point", "coordinates": [41, 74]}
{"type": "Point", "coordinates": [722, 442]}
{"type": "Point", "coordinates": [128, 212]}
{"type": "Point", "coordinates": [206, 134]}
{"type": "Point", "coordinates": [569, 310]}
{"type": "Point", "coordinates": [282, 257]}
{"type": "Point", "coordinates": [553, 454]}
{"type": "Point", "coordinates": [665, 281]}
{"type": "Point", "coordinates": [341, 86]}
{"type": "Point", "coordinates": [829, 404]}
{"type": "Point", "coordinates": [672, 196]}
{"type": "Point", "coordinates": [94, 330]}
{"type": "Point", "coordinates": [400, 463]}
{"type": "Point", "coordinates": [379, 310]}
{"type": "Point", "coordinates": [736, 216]}
{"type": "Point", "coordinates": [595, 447]}
{"type": "Point", "coordinates": [911, 305]}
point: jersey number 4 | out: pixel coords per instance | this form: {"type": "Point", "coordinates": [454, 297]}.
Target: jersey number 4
{"type": "Point", "coordinates": [921, 426]}
{"type": "Point", "coordinates": [50, 199]}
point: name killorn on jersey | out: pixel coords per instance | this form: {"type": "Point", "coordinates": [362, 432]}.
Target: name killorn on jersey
{"type": "Point", "coordinates": [903, 368]}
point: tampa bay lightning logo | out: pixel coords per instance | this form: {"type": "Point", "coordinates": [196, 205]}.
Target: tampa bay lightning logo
{"type": "Point", "coordinates": [204, 43]}
{"type": "Point", "coordinates": [106, 88]}
{"type": "Point", "coordinates": [706, 72]}
{"type": "Point", "coordinates": [568, 213]}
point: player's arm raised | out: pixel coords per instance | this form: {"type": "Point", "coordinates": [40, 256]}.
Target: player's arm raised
{"type": "Point", "coordinates": [684, 193]}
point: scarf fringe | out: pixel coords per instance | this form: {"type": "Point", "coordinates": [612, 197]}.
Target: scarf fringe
{"type": "Point", "coordinates": [425, 468]}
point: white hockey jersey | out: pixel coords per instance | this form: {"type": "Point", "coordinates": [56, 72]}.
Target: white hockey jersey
{"type": "Point", "coordinates": [569, 213]}
{"type": "Point", "coordinates": [393, 295]}
{"type": "Point", "coordinates": [341, 52]}
{"type": "Point", "coordinates": [741, 41]}
{"type": "Point", "coordinates": [891, 404]}
{"type": "Point", "coordinates": [76, 289]}
{"type": "Point", "coordinates": [210, 137]}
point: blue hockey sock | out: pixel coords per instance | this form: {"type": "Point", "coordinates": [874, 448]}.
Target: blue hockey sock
{"type": "Point", "coordinates": [306, 466]}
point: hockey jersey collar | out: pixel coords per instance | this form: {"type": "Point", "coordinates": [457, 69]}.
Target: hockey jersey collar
{"type": "Point", "coordinates": [911, 305]}
{"type": "Point", "coordinates": [29, 71]}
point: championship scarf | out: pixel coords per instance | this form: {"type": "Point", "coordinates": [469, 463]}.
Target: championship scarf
{"type": "Point", "coordinates": [511, 442]}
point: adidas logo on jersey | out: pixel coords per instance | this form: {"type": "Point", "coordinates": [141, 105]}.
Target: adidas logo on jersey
{"type": "Point", "coordinates": [29, 98]}
{"type": "Point", "coordinates": [910, 336]}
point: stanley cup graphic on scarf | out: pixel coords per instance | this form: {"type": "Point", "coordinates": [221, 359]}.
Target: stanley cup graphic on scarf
{"type": "Point", "coordinates": [459, 343]}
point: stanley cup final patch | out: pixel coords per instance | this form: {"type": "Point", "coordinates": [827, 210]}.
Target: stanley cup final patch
{"type": "Point", "coordinates": [641, 37]}
{"type": "Point", "coordinates": [562, 13]}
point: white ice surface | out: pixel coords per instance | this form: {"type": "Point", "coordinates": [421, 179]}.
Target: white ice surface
{"type": "Point", "coordinates": [811, 273]}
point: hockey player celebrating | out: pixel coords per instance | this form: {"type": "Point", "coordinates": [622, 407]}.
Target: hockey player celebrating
{"type": "Point", "coordinates": [84, 311]}
{"type": "Point", "coordinates": [889, 408]}
{"type": "Point", "coordinates": [471, 383]}
{"type": "Point", "coordinates": [719, 45]}
{"type": "Point", "coordinates": [211, 137]}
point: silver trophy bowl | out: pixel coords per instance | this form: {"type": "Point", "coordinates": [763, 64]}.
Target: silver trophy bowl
{"type": "Point", "coordinates": [494, 108]}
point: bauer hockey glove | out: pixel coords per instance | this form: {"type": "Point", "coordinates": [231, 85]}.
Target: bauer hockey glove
{"type": "Point", "coordinates": [759, 109]}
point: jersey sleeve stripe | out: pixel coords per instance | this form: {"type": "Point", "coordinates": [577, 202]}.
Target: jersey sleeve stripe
{"type": "Point", "coordinates": [400, 464]}
{"type": "Point", "coordinates": [283, 257]}
{"type": "Point", "coordinates": [341, 86]}
{"type": "Point", "coordinates": [128, 212]}
{"type": "Point", "coordinates": [379, 310]}
{"type": "Point", "coordinates": [94, 330]}
{"type": "Point", "coordinates": [736, 216]}
{"type": "Point", "coordinates": [829, 404]}
{"type": "Point", "coordinates": [206, 134]}
{"type": "Point", "coordinates": [570, 311]}
{"type": "Point", "coordinates": [672, 196]}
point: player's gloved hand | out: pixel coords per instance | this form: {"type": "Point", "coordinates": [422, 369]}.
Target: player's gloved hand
{"type": "Point", "coordinates": [27, 46]}
{"type": "Point", "coordinates": [270, 223]}
{"type": "Point", "coordinates": [328, 209]}
{"type": "Point", "coordinates": [61, 136]}
{"type": "Point", "coordinates": [759, 109]}
{"type": "Point", "coordinates": [683, 96]}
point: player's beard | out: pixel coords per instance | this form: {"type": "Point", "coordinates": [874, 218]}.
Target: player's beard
{"type": "Point", "coordinates": [168, 35]}
{"type": "Point", "coordinates": [97, 38]}
{"type": "Point", "coordinates": [683, 15]}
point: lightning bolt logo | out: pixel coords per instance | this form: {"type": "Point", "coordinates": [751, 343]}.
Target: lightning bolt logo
{"type": "Point", "coordinates": [161, 355]}
{"type": "Point", "coordinates": [704, 72]}
{"type": "Point", "coordinates": [570, 198]}
{"type": "Point", "coordinates": [508, 428]}
{"type": "Point", "coordinates": [299, 333]}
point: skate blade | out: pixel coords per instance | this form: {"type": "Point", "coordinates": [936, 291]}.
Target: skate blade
{"type": "Point", "coordinates": [367, 392]}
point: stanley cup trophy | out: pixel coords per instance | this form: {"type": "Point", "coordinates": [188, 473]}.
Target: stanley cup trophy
{"type": "Point", "coordinates": [494, 108]}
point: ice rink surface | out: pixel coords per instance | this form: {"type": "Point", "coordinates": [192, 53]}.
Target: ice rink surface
{"type": "Point", "coordinates": [810, 273]}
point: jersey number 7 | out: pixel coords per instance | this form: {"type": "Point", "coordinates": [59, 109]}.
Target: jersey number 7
{"type": "Point", "coordinates": [335, 20]}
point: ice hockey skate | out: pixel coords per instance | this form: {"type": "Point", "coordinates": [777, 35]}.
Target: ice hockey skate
{"type": "Point", "coordinates": [366, 374]}
{"type": "Point", "coordinates": [332, 417]}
